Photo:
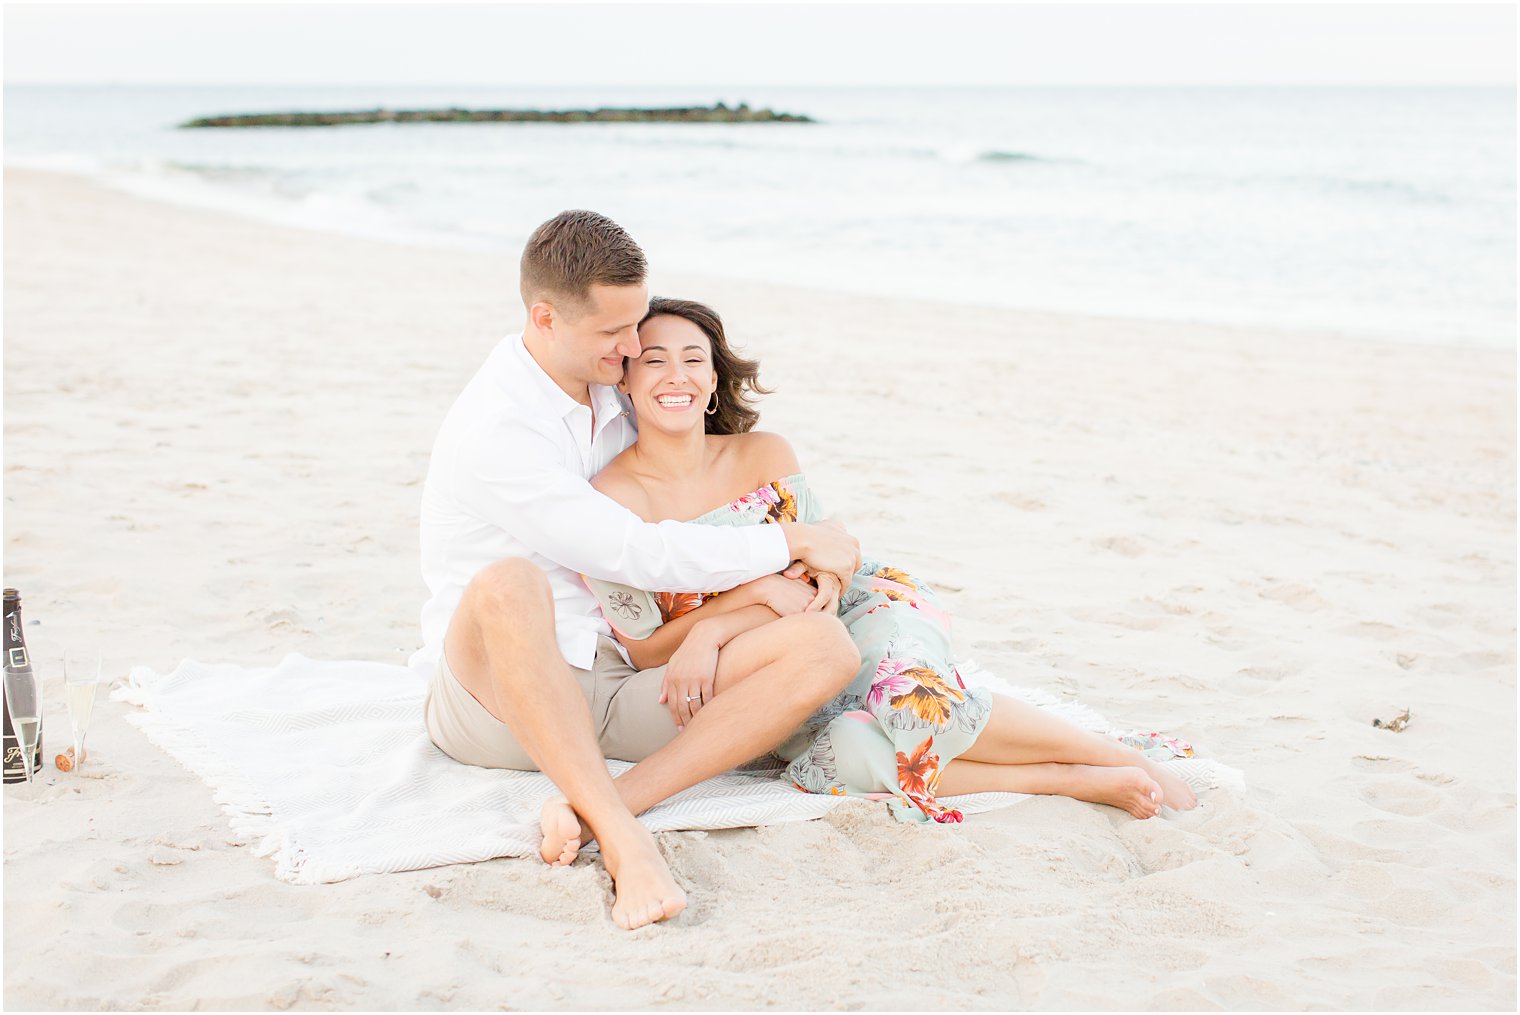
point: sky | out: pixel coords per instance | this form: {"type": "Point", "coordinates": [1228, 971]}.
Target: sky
{"type": "Point", "coordinates": [774, 44]}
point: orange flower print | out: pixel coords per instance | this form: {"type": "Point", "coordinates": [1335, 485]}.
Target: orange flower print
{"type": "Point", "coordinates": [929, 707]}
{"type": "Point", "coordinates": [918, 774]}
{"type": "Point", "coordinates": [677, 604]}
{"type": "Point", "coordinates": [918, 777]}
{"type": "Point", "coordinates": [931, 700]}
{"type": "Point", "coordinates": [892, 574]}
{"type": "Point", "coordinates": [785, 508]}
{"type": "Point", "coordinates": [934, 682]}
{"type": "Point", "coordinates": [892, 595]}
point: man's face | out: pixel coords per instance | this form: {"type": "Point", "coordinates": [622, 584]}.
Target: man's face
{"type": "Point", "coordinates": [591, 344]}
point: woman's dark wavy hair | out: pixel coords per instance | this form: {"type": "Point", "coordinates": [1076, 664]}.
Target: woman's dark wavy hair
{"type": "Point", "coordinates": [738, 378]}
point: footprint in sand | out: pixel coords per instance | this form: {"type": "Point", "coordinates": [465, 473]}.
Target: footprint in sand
{"type": "Point", "coordinates": [1268, 674]}
{"type": "Point", "coordinates": [1113, 618]}
{"type": "Point", "coordinates": [1299, 597]}
{"type": "Point", "coordinates": [1397, 796]}
{"type": "Point", "coordinates": [1022, 501]}
{"type": "Point", "coordinates": [1380, 763]}
{"type": "Point", "coordinates": [1375, 629]}
{"type": "Point", "coordinates": [1122, 545]}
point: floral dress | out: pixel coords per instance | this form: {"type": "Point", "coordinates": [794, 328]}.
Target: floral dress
{"type": "Point", "coordinates": [906, 714]}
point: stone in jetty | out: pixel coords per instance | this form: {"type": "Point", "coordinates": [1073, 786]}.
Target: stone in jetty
{"type": "Point", "coordinates": [679, 114]}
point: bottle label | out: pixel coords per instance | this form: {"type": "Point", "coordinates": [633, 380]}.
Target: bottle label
{"type": "Point", "coordinates": [16, 656]}
{"type": "Point", "coordinates": [15, 769]}
{"type": "Point", "coordinates": [15, 645]}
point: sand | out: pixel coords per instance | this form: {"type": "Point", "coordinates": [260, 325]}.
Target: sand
{"type": "Point", "coordinates": [215, 432]}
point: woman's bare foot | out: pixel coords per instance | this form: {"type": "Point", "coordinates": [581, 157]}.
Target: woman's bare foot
{"type": "Point", "coordinates": [1129, 789]}
{"type": "Point", "coordinates": [1174, 792]}
{"type": "Point", "coordinates": [562, 833]}
{"type": "Point", "coordinates": [644, 889]}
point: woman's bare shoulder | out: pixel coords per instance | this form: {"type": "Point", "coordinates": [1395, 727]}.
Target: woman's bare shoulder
{"type": "Point", "coordinates": [618, 482]}
{"type": "Point", "coordinates": [767, 456]}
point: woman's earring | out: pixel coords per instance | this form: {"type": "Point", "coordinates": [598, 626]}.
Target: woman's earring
{"type": "Point", "coordinates": [712, 409]}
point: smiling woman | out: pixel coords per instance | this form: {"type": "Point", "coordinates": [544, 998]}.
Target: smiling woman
{"type": "Point", "coordinates": [907, 724]}
{"type": "Point", "coordinates": [683, 342]}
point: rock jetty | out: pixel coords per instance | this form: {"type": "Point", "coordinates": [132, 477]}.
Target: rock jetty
{"type": "Point", "coordinates": [719, 113]}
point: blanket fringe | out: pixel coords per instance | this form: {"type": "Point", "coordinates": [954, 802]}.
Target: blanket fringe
{"type": "Point", "coordinates": [253, 820]}
{"type": "Point", "coordinates": [248, 813]}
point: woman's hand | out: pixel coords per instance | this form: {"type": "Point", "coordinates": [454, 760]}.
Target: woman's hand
{"type": "Point", "coordinates": [689, 677]}
{"type": "Point", "coordinates": [827, 599]}
{"type": "Point", "coordinates": [785, 596]}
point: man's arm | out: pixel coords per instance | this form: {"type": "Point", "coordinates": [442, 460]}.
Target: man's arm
{"type": "Point", "coordinates": [514, 478]}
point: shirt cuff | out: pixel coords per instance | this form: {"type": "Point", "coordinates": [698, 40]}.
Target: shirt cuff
{"type": "Point", "coordinates": [768, 552]}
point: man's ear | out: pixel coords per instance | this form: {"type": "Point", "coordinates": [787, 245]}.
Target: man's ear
{"type": "Point", "coordinates": [542, 315]}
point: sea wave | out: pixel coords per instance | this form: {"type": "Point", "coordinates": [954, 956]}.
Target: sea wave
{"type": "Point", "coordinates": [1359, 212]}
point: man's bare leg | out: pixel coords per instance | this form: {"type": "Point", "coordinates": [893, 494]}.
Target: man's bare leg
{"type": "Point", "coordinates": [768, 681]}
{"type": "Point", "coordinates": [501, 647]}
{"type": "Point", "coordinates": [1021, 734]}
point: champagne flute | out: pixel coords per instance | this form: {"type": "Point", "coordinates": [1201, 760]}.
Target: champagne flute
{"type": "Point", "coordinates": [79, 687]}
{"type": "Point", "coordinates": [23, 700]}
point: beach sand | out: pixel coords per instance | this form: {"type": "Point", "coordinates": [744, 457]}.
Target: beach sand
{"type": "Point", "coordinates": [215, 435]}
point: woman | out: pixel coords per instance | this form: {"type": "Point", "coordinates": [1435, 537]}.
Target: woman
{"type": "Point", "coordinates": [907, 729]}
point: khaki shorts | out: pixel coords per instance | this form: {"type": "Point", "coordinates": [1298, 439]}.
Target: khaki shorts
{"type": "Point", "coordinates": [626, 714]}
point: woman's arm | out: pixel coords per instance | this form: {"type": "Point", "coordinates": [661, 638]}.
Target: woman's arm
{"type": "Point", "coordinates": [656, 650]}
{"type": "Point", "coordinates": [740, 609]}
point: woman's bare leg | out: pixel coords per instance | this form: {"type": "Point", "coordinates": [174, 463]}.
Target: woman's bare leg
{"type": "Point", "coordinates": [1128, 788]}
{"type": "Point", "coordinates": [1020, 734]}
{"type": "Point", "coordinates": [768, 681]}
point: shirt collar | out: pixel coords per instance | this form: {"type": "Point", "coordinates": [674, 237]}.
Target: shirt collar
{"type": "Point", "coordinates": [534, 383]}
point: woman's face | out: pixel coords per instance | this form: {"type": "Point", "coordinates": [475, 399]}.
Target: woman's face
{"type": "Point", "coordinates": [672, 381]}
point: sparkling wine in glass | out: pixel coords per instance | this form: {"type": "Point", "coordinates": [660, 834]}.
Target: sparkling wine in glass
{"type": "Point", "coordinates": [79, 686]}
{"type": "Point", "coordinates": [23, 701]}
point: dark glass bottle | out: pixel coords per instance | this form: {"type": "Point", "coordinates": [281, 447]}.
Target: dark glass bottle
{"type": "Point", "coordinates": [16, 658]}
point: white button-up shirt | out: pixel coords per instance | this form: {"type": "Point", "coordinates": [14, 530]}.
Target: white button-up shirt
{"type": "Point", "coordinates": [508, 478]}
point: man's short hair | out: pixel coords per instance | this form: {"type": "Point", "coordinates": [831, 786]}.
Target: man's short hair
{"type": "Point", "coordinates": [574, 251]}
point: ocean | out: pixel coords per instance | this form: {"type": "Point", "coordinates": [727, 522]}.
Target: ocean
{"type": "Point", "coordinates": [1376, 212]}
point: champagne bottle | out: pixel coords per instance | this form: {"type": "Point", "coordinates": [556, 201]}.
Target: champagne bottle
{"type": "Point", "coordinates": [16, 658]}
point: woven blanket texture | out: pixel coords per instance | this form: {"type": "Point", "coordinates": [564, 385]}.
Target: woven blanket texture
{"type": "Point", "coordinates": [325, 767]}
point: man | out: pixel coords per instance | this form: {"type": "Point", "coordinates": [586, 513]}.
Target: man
{"type": "Point", "coordinates": [525, 673]}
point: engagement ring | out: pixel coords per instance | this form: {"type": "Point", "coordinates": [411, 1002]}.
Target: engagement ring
{"type": "Point", "coordinates": [693, 697]}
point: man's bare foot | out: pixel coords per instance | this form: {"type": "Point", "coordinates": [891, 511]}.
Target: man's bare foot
{"type": "Point", "coordinates": [645, 891]}
{"type": "Point", "coordinates": [1129, 789]}
{"type": "Point", "coordinates": [1174, 792]}
{"type": "Point", "coordinates": [562, 833]}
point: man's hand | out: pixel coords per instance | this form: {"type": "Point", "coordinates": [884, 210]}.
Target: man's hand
{"type": "Point", "coordinates": [689, 677]}
{"type": "Point", "coordinates": [822, 547]}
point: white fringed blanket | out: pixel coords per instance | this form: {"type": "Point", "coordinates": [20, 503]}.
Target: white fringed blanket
{"type": "Point", "coordinates": [325, 766]}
